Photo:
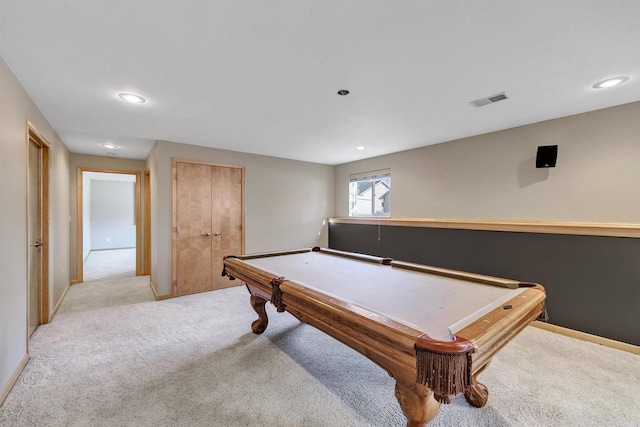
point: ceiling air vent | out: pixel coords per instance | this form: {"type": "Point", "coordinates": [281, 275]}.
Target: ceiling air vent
{"type": "Point", "coordinates": [489, 99]}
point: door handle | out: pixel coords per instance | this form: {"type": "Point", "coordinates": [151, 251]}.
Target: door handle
{"type": "Point", "coordinates": [37, 244]}
{"type": "Point", "coordinates": [216, 234]}
{"type": "Point", "coordinates": [206, 234]}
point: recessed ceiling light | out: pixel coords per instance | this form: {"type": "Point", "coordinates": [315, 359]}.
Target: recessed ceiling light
{"type": "Point", "coordinates": [613, 81]}
{"type": "Point", "coordinates": [110, 146]}
{"type": "Point", "coordinates": [343, 92]}
{"type": "Point", "coordinates": [361, 147]}
{"type": "Point", "coordinates": [132, 97]}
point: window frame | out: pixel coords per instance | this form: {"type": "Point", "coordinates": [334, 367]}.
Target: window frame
{"type": "Point", "coordinates": [372, 176]}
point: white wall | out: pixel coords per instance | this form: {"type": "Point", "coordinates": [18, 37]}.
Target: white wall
{"type": "Point", "coordinates": [113, 217]}
{"type": "Point", "coordinates": [16, 107]}
{"type": "Point", "coordinates": [493, 176]}
{"type": "Point", "coordinates": [287, 202]}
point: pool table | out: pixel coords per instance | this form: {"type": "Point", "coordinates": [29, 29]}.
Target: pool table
{"type": "Point", "coordinates": [432, 329]}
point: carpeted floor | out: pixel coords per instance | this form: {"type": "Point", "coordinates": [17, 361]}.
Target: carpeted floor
{"type": "Point", "coordinates": [110, 264]}
{"type": "Point", "coordinates": [109, 292]}
{"type": "Point", "coordinates": [193, 361]}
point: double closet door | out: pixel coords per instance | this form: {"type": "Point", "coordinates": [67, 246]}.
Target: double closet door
{"type": "Point", "coordinates": [208, 223]}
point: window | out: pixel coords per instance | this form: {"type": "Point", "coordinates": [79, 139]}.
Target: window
{"type": "Point", "coordinates": [369, 193]}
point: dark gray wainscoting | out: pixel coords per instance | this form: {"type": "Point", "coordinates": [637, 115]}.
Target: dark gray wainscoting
{"type": "Point", "coordinates": [592, 282]}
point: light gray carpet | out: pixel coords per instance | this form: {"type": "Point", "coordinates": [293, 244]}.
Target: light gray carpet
{"type": "Point", "coordinates": [109, 292]}
{"type": "Point", "coordinates": [193, 361]}
{"type": "Point", "coordinates": [109, 264]}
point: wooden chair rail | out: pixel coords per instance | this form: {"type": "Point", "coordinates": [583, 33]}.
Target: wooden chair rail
{"type": "Point", "coordinates": [523, 226]}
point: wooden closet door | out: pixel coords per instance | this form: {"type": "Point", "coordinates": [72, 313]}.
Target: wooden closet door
{"type": "Point", "coordinates": [226, 219]}
{"type": "Point", "coordinates": [194, 235]}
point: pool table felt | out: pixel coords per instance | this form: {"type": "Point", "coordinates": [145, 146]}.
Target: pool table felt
{"type": "Point", "coordinates": [436, 305]}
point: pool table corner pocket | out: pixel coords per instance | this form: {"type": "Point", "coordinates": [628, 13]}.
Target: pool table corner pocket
{"type": "Point", "coordinates": [444, 367]}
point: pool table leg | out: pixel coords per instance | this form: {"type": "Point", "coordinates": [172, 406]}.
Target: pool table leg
{"type": "Point", "coordinates": [260, 324]}
{"type": "Point", "coordinates": [478, 394]}
{"type": "Point", "coordinates": [417, 403]}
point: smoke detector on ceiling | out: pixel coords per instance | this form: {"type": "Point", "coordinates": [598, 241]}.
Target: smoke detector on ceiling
{"type": "Point", "coordinates": [490, 99]}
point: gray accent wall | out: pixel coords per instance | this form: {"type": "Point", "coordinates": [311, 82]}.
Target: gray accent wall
{"type": "Point", "coordinates": [591, 281]}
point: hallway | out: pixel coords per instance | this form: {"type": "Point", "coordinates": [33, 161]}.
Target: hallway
{"type": "Point", "coordinates": [112, 292]}
{"type": "Point", "coordinates": [110, 264]}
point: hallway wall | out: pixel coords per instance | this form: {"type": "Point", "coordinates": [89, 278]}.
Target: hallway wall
{"type": "Point", "coordinates": [16, 108]}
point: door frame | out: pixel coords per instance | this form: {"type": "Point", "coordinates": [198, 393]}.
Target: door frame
{"type": "Point", "coordinates": [43, 289]}
{"type": "Point", "coordinates": [79, 216]}
{"type": "Point", "coordinates": [174, 212]}
{"type": "Point", "coordinates": [147, 222]}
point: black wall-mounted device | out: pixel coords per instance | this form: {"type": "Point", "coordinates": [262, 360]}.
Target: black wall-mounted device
{"type": "Point", "coordinates": [547, 156]}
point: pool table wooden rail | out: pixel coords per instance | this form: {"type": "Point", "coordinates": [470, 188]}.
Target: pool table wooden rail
{"type": "Point", "coordinates": [390, 344]}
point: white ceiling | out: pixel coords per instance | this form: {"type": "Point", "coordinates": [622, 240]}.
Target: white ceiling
{"type": "Point", "coordinates": [262, 76]}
